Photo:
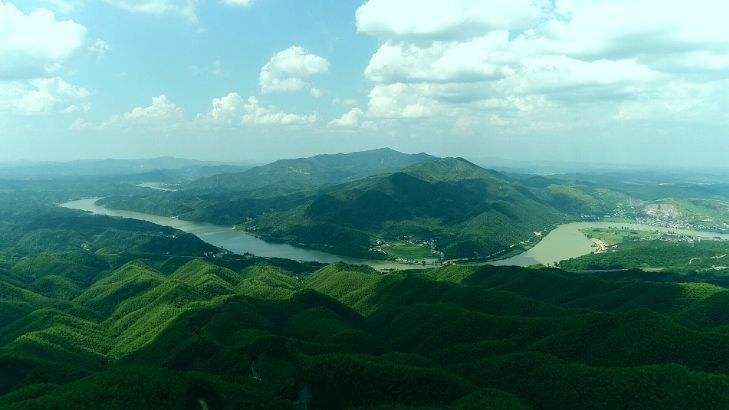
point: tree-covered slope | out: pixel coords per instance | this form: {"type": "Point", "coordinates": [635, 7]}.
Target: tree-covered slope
{"type": "Point", "coordinates": [90, 314]}
{"type": "Point", "coordinates": [234, 334]}
{"type": "Point", "coordinates": [464, 209]}
{"type": "Point", "coordinates": [290, 175]}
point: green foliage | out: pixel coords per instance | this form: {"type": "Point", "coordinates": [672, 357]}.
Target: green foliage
{"type": "Point", "coordinates": [139, 387]}
{"type": "Point", "coordinates": [113, 322]}
{"type": "Point", "coordinates": [340, 381]}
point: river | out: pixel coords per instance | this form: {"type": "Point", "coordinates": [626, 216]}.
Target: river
{"type": "Point", "coordinates": [564, 242]}
{"type": "Point", "coordinates": [233, 240]}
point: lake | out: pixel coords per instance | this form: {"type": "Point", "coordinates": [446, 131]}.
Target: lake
{"type": "Point", "coordinates": [564, 242]}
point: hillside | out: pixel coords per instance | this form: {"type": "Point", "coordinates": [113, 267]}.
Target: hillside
{"type": "Point", "coordinates": [463, 210]}
{"type": "Point", "coordinates": [349, 336]}
{"type": "Point", "coordinates": [133, 315]}
{"type": "Point", "coordinates": [290, 175]}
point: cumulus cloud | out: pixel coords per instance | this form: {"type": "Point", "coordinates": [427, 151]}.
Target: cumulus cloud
{"type": "Point", "coordinates": [226, 110]}
{"type": "Point", "coordinates": [516, 62]}
{"type": "Point", "coordinates": [289, 70]}
{"type": "Point", "coordinates": [161, 109]}
{"type": "Point", "coordinates": [256, 114]}
{"type": "Point", "coordinates": [160, 116]}
{"type": "Point", "coordinates": [349, 119]}
{"type": "Point", "coordinates": [437, 19]}
{"type": "Point", "coordinates": [35, 44]}
{"type": "Point", "coordinates": [43, 96]}
{"type": "Point", "coordinates": [442, 61]}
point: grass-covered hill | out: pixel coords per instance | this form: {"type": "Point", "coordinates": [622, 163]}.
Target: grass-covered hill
{"type": "Point", "coordinates": [223, 333]}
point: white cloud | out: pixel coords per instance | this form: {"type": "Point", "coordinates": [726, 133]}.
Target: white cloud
{"type": "Point", "coordinates": [256, 114]}
{"type": "Point", "coordinates": [162, 115]}
{"type": "Point", "coordinates": [445, 19]}
{"type": "Point", "coordinates": [226, 110]}
{"type": "Point", "coordinates": [161, 109]}
{"type": "Point", "coordinates": [345, 102]}
{"type": "Point", "coordinates": [35, 44]}
{"type": "Point", "coordinates": [243, 3]}
{"type": "Point", "coordinates": [315, 92]}
{"type": "Point", "coordinates": [99, 47]}
{"type": "Point", "coordinates": [520, 63]}
{"type": "Point", "coordinates": [473, 60]}
{"type": "Point", "coordinates": [43, 96]}
{"type": "Point", "coordinates": [288, 70]}
{"type": "Point", "coordinates": [401, 101]}
{"type": "Point", "coordinates": [184, 8]}
{"type": "Point", "coordinates": [350, 119]}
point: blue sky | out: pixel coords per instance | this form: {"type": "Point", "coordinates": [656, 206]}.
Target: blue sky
{"type": "Point", "coordinates": [581, 80]}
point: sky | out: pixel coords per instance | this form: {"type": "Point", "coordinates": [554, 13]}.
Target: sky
{"type": "Point", "coordinates": [601, 81]}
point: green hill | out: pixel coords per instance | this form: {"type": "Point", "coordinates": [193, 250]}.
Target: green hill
{"type": "Point", "coordinates": [160, 328]}
{"type": "Point", "coordinates": [290, 175]}
{"type": "Point", "coordinates": [466, 210]}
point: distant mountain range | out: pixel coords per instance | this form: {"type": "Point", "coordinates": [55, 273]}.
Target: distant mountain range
{"type": "Point", "coordinates": [175, 168]}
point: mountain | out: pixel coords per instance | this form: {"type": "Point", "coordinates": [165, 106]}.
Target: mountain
{"type": "Point", "coordinates": [466, 210]}
{"type": "Point", "coordinates": [98, 311]}
{"type": "Point", "coordinates": [290, 175]}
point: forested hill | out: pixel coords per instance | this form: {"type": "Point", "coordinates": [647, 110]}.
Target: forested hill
{"type": "Point", "coordinates": [290, 175]}
{"type": "Point", "coordinates": [179, 332]}
{"type": "Point", "coordinates": [467, 210]}
{"type": "Point", "coordinates": [351, 204]}
{"type": "Point", "coordinates": [122, 314]}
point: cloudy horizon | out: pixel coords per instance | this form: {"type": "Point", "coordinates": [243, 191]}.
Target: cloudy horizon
{"type": "Point", "coordinates": [607, 82]}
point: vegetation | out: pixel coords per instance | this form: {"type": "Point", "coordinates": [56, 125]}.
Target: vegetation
{"type": "Point", "coordinates": [98, 311]}
{"type": "Point", "coordinates": [629, 249]}
{"type": "Point", "coordinates": [158, 324]}
{"type": "Point", "coordinates": [350, 204]}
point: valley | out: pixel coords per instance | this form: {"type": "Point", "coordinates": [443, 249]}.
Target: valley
{"type": "Point", "coordinates": [235, 299]}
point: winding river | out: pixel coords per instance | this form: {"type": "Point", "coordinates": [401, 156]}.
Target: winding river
{"type": "Point", "coordinates": [233, 240]}
{"type": "Point", "coordinates": [564, 242]}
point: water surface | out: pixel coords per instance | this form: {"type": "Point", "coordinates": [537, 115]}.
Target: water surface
{"type": "Point", "coordinates": [564, 242]}
{"type": "Point", "coordinates": [233, 240]}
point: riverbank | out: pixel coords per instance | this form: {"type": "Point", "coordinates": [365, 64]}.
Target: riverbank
{"type": "Point", "coordinates": [564, 242]}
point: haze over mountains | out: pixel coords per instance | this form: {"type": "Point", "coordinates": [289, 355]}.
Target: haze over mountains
{"type": "Point", "coordinates": [162, 167]}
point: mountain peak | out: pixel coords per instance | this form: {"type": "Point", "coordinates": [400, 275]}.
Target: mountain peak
{"type": "Point", "coordinates": [449, 169]}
